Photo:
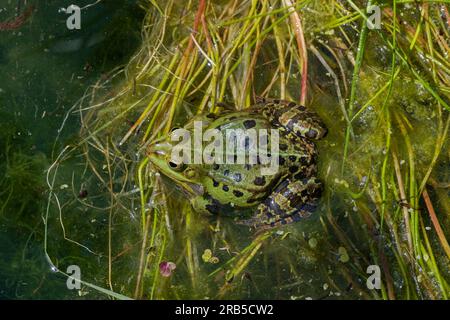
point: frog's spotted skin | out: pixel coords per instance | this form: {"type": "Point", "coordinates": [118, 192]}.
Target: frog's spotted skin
{"type": "Point", "coordinates": [284, 197]}
{"type": "Point", "coordinates": [291, 201]}
{"type": "Point", "coordinates": [296, 120]}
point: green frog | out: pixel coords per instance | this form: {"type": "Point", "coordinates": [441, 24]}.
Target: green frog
{"type": "Point", "coordinates": [287, 195]}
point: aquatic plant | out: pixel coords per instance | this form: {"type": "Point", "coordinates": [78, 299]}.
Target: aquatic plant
{"type": "Point", "coordinates": [384, 93]}
{"type": "Point", "coordinates": [17, 22]}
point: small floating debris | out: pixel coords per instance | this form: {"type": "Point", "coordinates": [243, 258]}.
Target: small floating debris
{"type": "Point", "coordinates": [83, 194]}
{"type": "Point", "coordinates": [166, 268]}
{"type": "Point", "coordinates": [208, 257]}
{"type": "Point", "coordinates": [343, 255]}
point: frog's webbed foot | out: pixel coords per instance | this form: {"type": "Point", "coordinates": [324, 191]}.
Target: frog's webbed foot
{"type": "Point", "coordinates": [291, 201]}
{"type": "Point", "coordinates": [206, 204]}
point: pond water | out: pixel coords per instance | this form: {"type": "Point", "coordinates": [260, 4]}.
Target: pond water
{"type": "Point", "coordinates": [45, 68]}
{"type": "Point", "coordinates": [68, 110]}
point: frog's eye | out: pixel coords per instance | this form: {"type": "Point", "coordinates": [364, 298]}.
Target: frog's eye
{"type": "Point", "coordinates": [177, 166]}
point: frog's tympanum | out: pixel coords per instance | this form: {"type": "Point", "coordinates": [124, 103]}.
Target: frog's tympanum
{"type": "Point", "coordinates": [287, 195]}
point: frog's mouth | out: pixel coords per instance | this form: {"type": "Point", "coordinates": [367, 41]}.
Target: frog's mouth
{"type": "Point", "coordinates": [158, 154]}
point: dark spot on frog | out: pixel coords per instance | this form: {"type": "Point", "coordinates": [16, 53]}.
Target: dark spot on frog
{"type": "Point", "coordinates": [281, 161]}
{"type": "Point", "coordinates": [293, 169]}
{"type": "Point", "coordinates": [291, 125]}
{"type": "Point", "coordinates": [237, 177]}
{"type": "Point", "coordinates": [311, 134]}
{"type": "Point", "coordinates": [248, 124]}
{"type": "Point", "coordinates": [225, 188]}
{"type": "Point", "coordinates": [215, 183]}
{"type": "Point", "coordinates": [304, 160]}
{"type": "Point", "coordinates": [238, 193]}
{"type": "Point", "coordinates": [259, 181]}
{"type": "Point", "coordinates": [226, 173]}
{"type": "Point", "coordinates": [299, 176]}
{"type": "Point", "coordinates": [283, 147]}
{"type": "Point", "coordinates": [292, 158]}
{"type": "Point", "coordinates": [291, 104]}
{"type": "Point", "coordinates": [279, 112]}
{"type": "Point", "coordinates": [214, 206]}
{"type": "Point", "coordinates": [216, 166]}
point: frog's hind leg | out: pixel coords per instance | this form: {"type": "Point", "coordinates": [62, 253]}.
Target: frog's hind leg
{"type": "Point", "coordinates": [295, 119]}
{"type": "Point", "coordinates": [291, 201]}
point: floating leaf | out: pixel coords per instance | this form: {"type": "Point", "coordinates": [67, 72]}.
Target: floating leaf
{"type": "Point", "coordinates": [207, 255]}
{"type": "Point", "coordinates": [214, 260]}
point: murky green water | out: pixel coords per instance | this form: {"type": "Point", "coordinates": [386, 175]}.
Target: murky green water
{"type": "Point", "coordinates": [45, 68]}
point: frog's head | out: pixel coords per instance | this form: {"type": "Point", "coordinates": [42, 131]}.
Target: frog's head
{"type": "Point", "coordinates": [182, 174]}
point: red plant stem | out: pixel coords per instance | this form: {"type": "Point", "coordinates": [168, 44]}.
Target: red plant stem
{"type": "Point", "coordinates": [198, 18]}
{"type": "Point", "coordinates": [299, 35]}
{"type": "Point", "coordinates": [435, 222]}
{"type": "Point", "coordinates": [18, 21]}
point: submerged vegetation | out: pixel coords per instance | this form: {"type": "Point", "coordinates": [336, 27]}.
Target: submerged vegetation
{"type": "Point", "coordinates": [384, 95]}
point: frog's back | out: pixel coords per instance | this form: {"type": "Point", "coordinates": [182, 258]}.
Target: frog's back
{"type": "Point", "coordinates": [243, 184]}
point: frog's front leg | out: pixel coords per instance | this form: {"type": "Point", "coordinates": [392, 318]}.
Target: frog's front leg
{"type": "Point", "coordinates": [291, 201]}
{"type": "Point", "coordinates": [294, 118]}
{"type": "Point", "coordinates": [208, 205]}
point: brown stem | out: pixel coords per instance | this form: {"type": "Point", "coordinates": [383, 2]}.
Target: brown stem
{"type": "Point", "coordinates": [403, 198]}
{"type": "Point", "coordinates": [18, 21]}
{"type": "Point", "coordinates": [435, 222]}
{"type": "Point", "coordinates": [198, 18]}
